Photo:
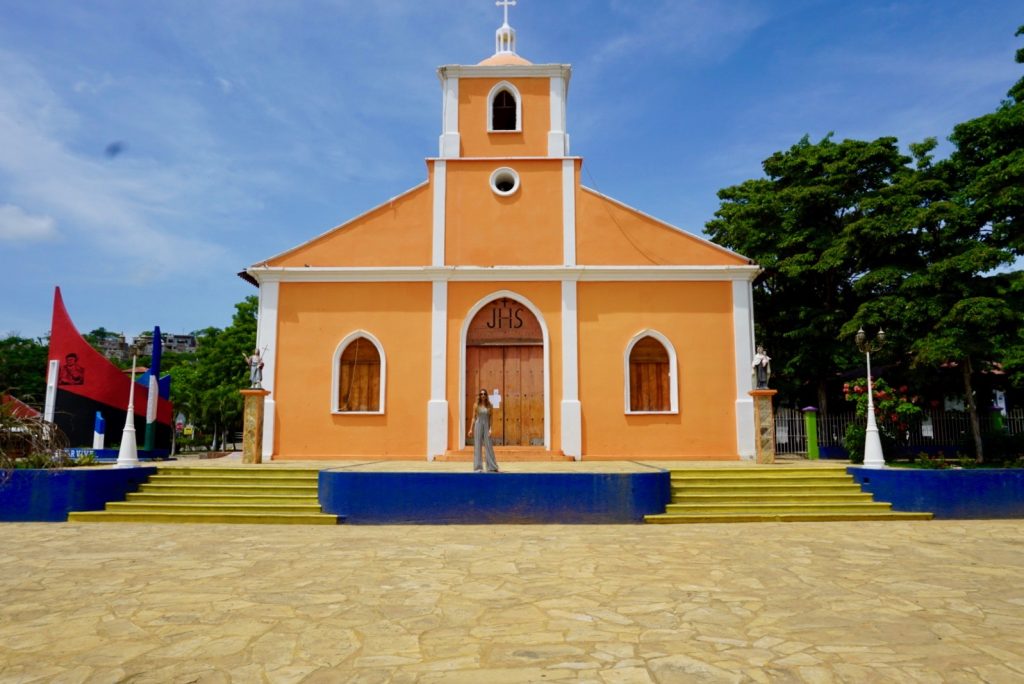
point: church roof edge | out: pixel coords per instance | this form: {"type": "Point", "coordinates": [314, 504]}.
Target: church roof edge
{"type": "Point", "coordinates": [504, 71]}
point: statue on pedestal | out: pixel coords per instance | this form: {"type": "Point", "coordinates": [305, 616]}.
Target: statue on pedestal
{"type": "Point", "coordinates": [255, 363]}
{"type": "Point", "coordinates": [762, 368]}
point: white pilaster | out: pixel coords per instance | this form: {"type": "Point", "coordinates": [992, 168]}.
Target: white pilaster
{"type": "Point", "coordinates": [568, 212]}
{"type": "Point", "coordinates": [572, 416]}
{"type": "Point", "coordinates": [743, 341]}
{"type": "Point", "coordinates": [440, 191]}
{"type": "Point", "coordinates": [266, 342]}
{"type": "Point", "coordinates": [437, 408]}
{"type": "Point", "coordinates": [450, 142]}
{"type": "Point", "coordinates": [50, 408]}
{"type": "Point", "coordinates": [558, 141]}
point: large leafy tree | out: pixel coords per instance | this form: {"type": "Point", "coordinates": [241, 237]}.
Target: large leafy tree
{"type": "Point", "coordinates": [206, 387]}
{"type": "Point", "coordinates": [989, 165]}
{"type": "Point", "coordinates": [932, 277]}
{"type": "Point", "coordinates": [850, 235]}
{"type": "Point", "coordinates": [23, 368]}
{"type": "Point", "coordinates": [987, 179]}
{"type": "Point", "coordinates": [800, 224]}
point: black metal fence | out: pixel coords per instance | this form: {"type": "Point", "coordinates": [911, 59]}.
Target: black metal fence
{"type": "Point", "coordinates": [935, 429]}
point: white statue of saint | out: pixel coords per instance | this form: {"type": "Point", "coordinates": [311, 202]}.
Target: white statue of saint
{"type": "Point", "coordinates": [255, 369]}
{"type": "Point", "coordinates": [762, 367]}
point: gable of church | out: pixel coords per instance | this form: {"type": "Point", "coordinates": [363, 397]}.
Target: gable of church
{"type": "Point", "coordinates": [609, 233]}
{"type": "Point", "coordinates": [396, 233]}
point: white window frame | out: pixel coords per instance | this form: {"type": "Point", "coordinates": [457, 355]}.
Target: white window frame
{"type": "Point", "coordinates": [514, 92]}
{"type": "Point", "coordinates": [505, 171]}
{"type": "Point", "coordinates": [336, 373]}
{"type": "Point", "coordinates": [673, 380]}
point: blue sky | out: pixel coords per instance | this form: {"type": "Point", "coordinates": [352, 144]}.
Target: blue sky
{"type": "Point", "coordinates": [149, 151]}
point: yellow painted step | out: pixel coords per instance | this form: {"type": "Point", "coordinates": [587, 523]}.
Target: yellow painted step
{"type": "Point", "coordinates": [727, 488]}
{"type": "Point", "coordinates": [203, 488]}
{"type": "Point", "coordinates": [211, 507]}
{"type": "Point", "coordinates": [751, 473]}
{"type": "Point", "coordinates": [669, 519]}
{"type": "Point", "coordinates": [268, 498]}
{"type": "Point", "coordinates": [789, 507]}
{"type": "Point", "coordinates": [232, 518]}
{"type": "Point", "coordinates": [192, 480]}
{"type": "Point", "coordinates": [253, 471]}
{"type": "Point", "coordinates": [810, 497]}
{"type": "Point", "coordinates": [763, 481]}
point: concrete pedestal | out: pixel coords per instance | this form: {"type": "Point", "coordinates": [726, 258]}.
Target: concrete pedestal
{"type": "Point", "coordinates": [252, 425]}
{"type": "Point", "coordinates": [764, 425]}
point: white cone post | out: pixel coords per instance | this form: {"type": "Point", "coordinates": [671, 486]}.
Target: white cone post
{"type": "Point", "coordinates": [873, 456]}
{"type": "Point", "coordinates": [128, 454]}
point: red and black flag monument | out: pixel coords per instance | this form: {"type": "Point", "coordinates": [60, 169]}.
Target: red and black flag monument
{"type": "Point", "coordinates": [81, 382]}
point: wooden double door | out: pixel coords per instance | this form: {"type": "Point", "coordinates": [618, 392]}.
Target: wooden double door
{"type": "Point", "coordinates": [515, 373]}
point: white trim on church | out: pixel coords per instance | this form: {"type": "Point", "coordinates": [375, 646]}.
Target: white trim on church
{"type": "Point", "coordinates": [407, 274]}
{"type": "Point", "coordinates": [673, 373]}
{"type": "Point", "coordinates": [336, 373]}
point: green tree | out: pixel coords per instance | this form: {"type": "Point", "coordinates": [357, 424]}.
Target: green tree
{"type": "Point", "coordinates": [1013, 359]}
{"type": "Point", "coordinates": [989, 165]}
{"type": "Point", "coordinates": [800, 224]}
{"type": "Point", "coordinates": [205, 387]}
{"type": "Point", "coordinates": [98, 335]}
{"type": "Point", "coordinates": [23, 368]}
{"type": "Point", "coordinates": [952, 230]}
{"type": "Point", "coordinates": [928, 277]}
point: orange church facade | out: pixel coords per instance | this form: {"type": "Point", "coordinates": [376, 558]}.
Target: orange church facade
{"type": "Point", "coordinates": [600, 332]}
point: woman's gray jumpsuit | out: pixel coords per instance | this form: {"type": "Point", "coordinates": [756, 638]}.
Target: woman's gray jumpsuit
{"type": "Point", "coordinates": [482, 436]}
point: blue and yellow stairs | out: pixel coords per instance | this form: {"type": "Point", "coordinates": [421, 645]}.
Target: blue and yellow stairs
{"type": "Point", "coordinates": [772, 494]}
{"type": "Point", "coordinates": [253, 495]}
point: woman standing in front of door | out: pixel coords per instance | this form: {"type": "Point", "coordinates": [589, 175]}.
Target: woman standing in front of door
{"type": "Point", "coordinates": [480, 430]}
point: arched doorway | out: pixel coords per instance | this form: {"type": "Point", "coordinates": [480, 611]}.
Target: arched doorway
{"type": "Point", "coordinates": [505, 356]}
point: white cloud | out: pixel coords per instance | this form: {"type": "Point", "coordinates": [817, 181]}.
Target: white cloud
{"type": "Point", "coordinates": [123, 209]}
{"type": "Point", "coordinates": [697, 28]}
{"type": "Point", "coordinates": [17, 225]}
{"type": "Point", "coordinates": [93, 86]}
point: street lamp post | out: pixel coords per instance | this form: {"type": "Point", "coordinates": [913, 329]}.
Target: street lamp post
{"type": "Point", "coordinates": [873, 457]}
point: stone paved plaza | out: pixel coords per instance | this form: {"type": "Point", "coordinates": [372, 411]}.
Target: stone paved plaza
{"type": "Point", "coordinates": [933, 601]}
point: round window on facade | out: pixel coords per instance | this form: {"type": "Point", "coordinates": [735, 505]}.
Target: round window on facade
{"type": "Point", "coordinates": [504, 181]}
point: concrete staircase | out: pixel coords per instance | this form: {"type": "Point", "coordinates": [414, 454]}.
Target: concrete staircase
{"type": "Point", "coordinates": [276, 496]}
{"type": "Point", "coordinates": [772, 494]}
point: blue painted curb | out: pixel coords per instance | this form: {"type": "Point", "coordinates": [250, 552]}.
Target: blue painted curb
{"type": "Point", "coordinates": [49, 495]}
{"type": "Point", "coordinates": [493, 498]}
{"type": "Point", "coordinates": [950, 494]}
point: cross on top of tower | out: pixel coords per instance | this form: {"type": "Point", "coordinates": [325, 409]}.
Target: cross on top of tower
{"type": "Point", "coordinates": [505, 4]}
{"type": "Point", "coordinates": [505, 37]}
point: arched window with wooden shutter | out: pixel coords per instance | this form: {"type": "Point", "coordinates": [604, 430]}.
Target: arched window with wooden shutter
{"type": "Point", "coordinates": [359, 375]}
{"type": "Point", "coordinates": [651, 384]}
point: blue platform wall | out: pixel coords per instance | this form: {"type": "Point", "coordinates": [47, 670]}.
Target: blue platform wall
{"type": "Point", "coordinates": [49, 495]}
{"type": "Point", "coordinates": [477, 498]}
{"type": "Point", "coordinates": [953, 494]}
